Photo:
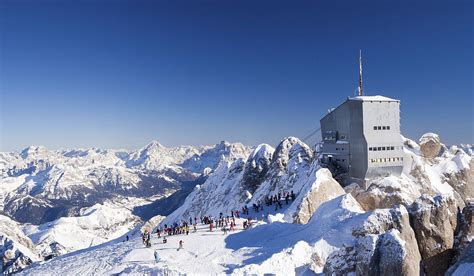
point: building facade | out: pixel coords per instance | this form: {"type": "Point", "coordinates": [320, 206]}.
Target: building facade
{"type": "Point", "coordinates": [361, 137]}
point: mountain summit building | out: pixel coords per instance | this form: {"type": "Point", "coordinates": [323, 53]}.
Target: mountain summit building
{"type": "Point", "coordinates": [361, 137]}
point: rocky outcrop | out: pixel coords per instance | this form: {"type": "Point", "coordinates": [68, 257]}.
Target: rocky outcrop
{"type": "Point", "coordinates": [430, 145]}
{"type": "Point", "coordinates": [462, 180]}
{"type": "Point", "coordinates": [465, 265]}
{"type": "Point", "coordinates": [323, 189]}
{"type": "Point", "coordinates": [385, 245]}
{"type": "Point", "coordinates": [465, 230]}
{"type": "Point", "coordinates": [434, 221]}
{"type": "Point", "coordinates": [16, 250]}
{"type": "Point", "coordinates": [385, 192]}
{"type": "Point", "coordinates": [256, 167]}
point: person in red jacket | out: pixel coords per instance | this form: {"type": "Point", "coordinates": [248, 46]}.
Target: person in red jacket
{"type": "Point", "coordinates": [210, 226]}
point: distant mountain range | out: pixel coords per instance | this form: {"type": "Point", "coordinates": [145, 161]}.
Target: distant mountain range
{"type": "Point", "coordinates": [55, 202]}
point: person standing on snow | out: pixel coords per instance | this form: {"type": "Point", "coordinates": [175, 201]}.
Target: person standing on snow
{"type": "Point", "coordinates": [180, 245]}
{"type": "Point", "coordinates": [157, 258]}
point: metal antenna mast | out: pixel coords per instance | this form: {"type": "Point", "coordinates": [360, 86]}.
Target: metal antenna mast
{"type": "Point", "coordinates": [361, 91]}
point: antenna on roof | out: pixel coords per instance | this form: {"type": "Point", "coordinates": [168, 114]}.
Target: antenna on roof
{"type": "Point", "coordinates": [361, 91]}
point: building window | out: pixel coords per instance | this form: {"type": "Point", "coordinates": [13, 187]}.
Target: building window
{"type": "Point", "coordinates": [375, 128]}
{"type": "Point", "coordinates": [379, 127]}
{"type": "Point", "coordinates": [388, 127]}
{"type": "Point", "coordinates": [343, 137]}
{"type": "Point", "coordinates": [392, 148]}
{"type": "Point", "coordinates": [383, 148]}
{"type": "Point", "coordinates": [384, 127]}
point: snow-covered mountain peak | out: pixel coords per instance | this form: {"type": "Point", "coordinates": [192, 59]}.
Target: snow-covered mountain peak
{"type": "Point", "coordinates": [34, 152]}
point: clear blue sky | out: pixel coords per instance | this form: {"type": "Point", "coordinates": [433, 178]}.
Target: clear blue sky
{"type": "Point", "coordinates": [118, 74]}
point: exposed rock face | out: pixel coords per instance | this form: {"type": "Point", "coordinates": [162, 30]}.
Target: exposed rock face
{"type": "Point", "coordinates": [323, 189]}
{"type": "Point", "coordinates": [465, 231]}
{"type": "Point", "coordinates": [430, 145]}
{"type": "Point", "coordinates": [256, 167]}
{"type": "Point", "coordinates": [465, 264]}
{"type": "Point", "coordinates": [462, 180]}
{"type": "Point", "coordinates": [385, 245]}
{"type": "Point", "coordinates": [434, 221]}
{"type": "Point", "coordinates": [385, 192]}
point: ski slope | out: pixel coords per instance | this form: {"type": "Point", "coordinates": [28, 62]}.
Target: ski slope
{"type": "Point", "coordinates": [282, 248]}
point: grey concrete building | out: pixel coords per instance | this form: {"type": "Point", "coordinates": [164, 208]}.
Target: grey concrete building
{"type": "Point", "coordinates": [361, 137]}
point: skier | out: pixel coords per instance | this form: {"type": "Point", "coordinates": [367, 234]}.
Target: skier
{"type": "Point", "coordinates": [164, 239]}
{"type": "Point", "coordinates": [180, 245]}
{"type": "Point", "coordinates": [127, 237]}
{"type": "Point", "coordinates": [210, 227]}
{"type": "Point", "coordinates": [157, 258]}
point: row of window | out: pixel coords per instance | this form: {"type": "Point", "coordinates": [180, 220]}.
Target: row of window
{"type": "Point", "coordinates": [383, 160]}
{"type": "Point", "coordinates": [383, 148]}
{"type": "Point", "coordinates": [339, 148]}
{"type": "Point", "coordinates": [381, 127]}
{"type": "Point", "coordinates": [343, 160]}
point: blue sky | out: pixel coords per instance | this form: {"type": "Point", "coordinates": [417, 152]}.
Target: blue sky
{"type": "Point", "coordinates": [118, 74]}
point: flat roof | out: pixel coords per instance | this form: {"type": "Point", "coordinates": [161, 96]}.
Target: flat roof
{"type": "Point", "coordinates": [376, 98]}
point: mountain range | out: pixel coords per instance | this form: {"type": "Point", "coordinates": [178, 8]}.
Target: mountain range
{"type": "Point", "coordinates": [420, 221]}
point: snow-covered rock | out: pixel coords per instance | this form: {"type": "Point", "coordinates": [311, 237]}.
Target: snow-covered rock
{"type": "Point", "coordinates": [384, 244]}
{"type": "Point", "coordinates": [266, 172]}
{"type": "Point", "coordinates": [323, 189]}
{"type": "Point", "coordinates": [430, 145]}
{"type": "Point", "coordinates": [16, 250]}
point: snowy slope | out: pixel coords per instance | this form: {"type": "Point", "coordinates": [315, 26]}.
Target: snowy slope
{"type": "Point", "coordinates": [281, 248]}
{"type": "Point", "coordinates": [247, 181]}
{"type": "Point", "coordinates": [95, 225]}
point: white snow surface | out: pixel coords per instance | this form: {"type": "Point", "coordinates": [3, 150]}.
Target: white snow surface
{"type": "Point", "coordinates": [97, 224]}
{"type": "Point", "coordinates": [280, 248]}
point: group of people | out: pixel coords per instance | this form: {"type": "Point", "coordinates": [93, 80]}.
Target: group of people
{"type": "Point", "coordinates": [225, 223]}
{"type": "Point", "coordinates": [174, 229]}
{"type": "Point", "coordinates": [145, 238]}
{"type": "Point", "coordinates": [275, 199]}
